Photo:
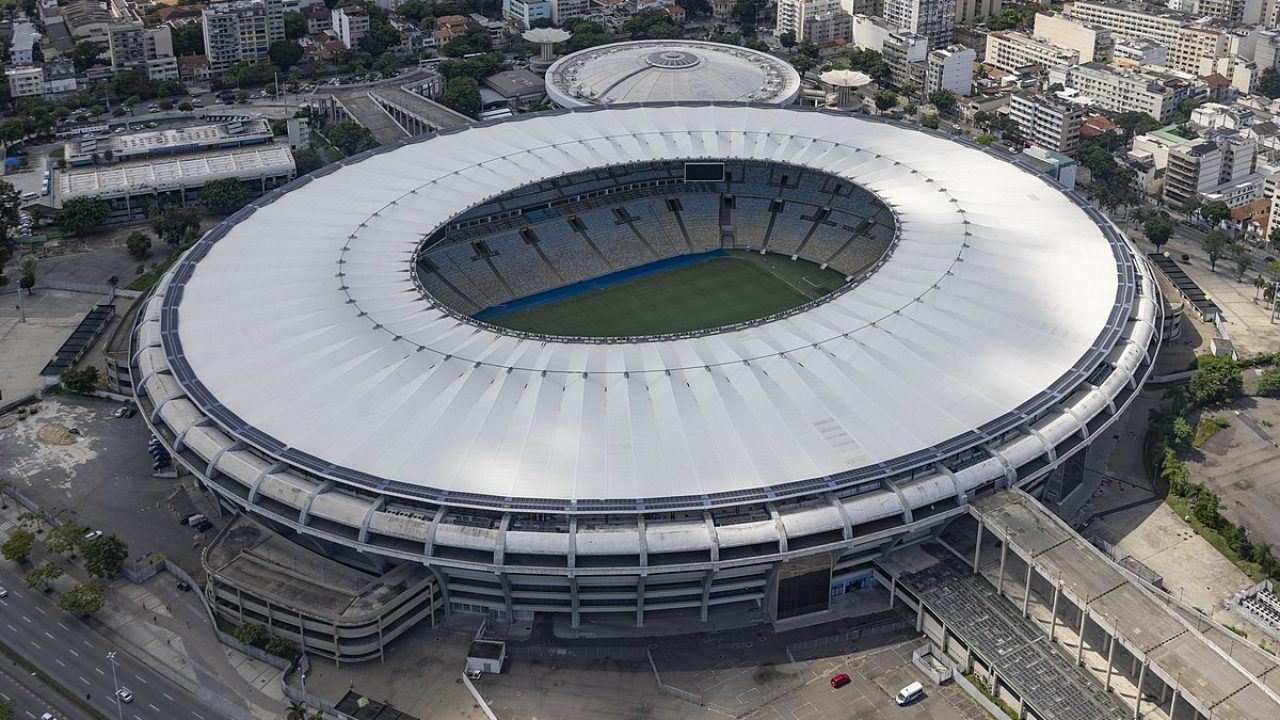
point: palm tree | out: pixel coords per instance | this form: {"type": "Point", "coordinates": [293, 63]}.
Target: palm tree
{"type": "Point", "coordinates": [297, 711]}
{"type": "Point", "coordinates": [317, 715]}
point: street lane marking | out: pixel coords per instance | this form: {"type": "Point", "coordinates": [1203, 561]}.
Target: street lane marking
{"type": "Point", "coordinates": [33, 644]}
{"type": "Point", "coordinates": [167, 696]}
{"type": "Point", "coordinates": [13, 628]}
{"type": "Point", "coordinates": [86, 682]}
{"type": "Point", "coordinates": [48, 636]}
{"type": "Point", "coordinates": [60, 663]}
{"type": "Point", "coordinates": [64, 627]}
{"type": "Point", "coordinates": [24, 617]}
{"type": "Point", "coordinates": [40, 610]}
{"type": "Point", "coordinates": [86, 642]}
{"type": "Point", "coordinates": [99, 671]}
{"type": "Point", "coordinates": [193, 712]}
{"type": "Point", "coordinates": [141, 679]}
{"type": "Point", "coordinates": [73, 652]}
{"type": "Point", "coordinates": [153, 707]}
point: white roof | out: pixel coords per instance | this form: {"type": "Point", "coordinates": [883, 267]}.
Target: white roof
{"type": "Point", "coordinates": [305, 323]}
{"type": "Point", "coordinates": [670, 70]}
{"type": "Point", "coordinates": [173, 172]}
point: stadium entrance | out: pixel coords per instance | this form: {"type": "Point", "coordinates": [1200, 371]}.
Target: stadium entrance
{"type": "Point", "coordinates": [804, 586]}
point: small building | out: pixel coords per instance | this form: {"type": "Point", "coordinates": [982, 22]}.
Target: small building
{"type": "Point", "coordinates": [842, 87]}
{"type": "Point", "coordinates": [514, 88]}
{"type": "Point", "coordinates": [22, 46]}
{"type": "Point", "coordinates": [486, 656]}
{"type": "Point", "coordinates": [168, 141]}
{"type": "Point", "coordinates": [1054, 164]}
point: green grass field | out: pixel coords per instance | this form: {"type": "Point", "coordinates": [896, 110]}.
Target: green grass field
{"type": "Point", "coordinates": [720, 291]}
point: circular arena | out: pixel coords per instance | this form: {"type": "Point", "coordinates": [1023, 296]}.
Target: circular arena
{"type": "Point", "coordinates": [441, 355]}
{"type": "Point", "coordinates": [650, 71]}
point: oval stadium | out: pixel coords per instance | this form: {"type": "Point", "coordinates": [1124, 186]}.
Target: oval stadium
{"type": "Point", "coordinates": [658, 366]}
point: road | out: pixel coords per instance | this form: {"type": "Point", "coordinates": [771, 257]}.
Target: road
{"type": "Point", "coordinates": [75, 655]}
{"type": "Point", "coordinates": [31, 697]}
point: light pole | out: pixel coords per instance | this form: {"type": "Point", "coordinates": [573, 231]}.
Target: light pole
{"type": "Point", "coordinates": [115, 685]}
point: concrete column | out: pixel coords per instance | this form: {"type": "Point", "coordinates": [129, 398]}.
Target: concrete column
{"type": "Point", "coordinates": [1173, 705]}
{"type": "Point", "coordinates": [1084, 619]}
{"type": "Point", "coordinates": [1053, 621]}
{"type": "Point", "coordinates": [1004, 553]}
{"type": "Point", "coordinates": [1137, 705]}
{"type": "Point", "coordinates": [1111, 650]}
{"type": "Point", "coordinates": [893, 591]}
{"type": "Point", "coordinates": [977, 549]}
{"type": "Point", "coordinates": [1026, 592]}
{"type": "Point", "coordinates": [920, 616]}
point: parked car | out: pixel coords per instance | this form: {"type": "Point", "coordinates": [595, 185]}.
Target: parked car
{"type": "Point", "coordinates": [840, 681]}
{"type": "Point", "coordinates": [185, 519]}
{"type": "Point", "coordinates": [3, 592]}
{"type": "Point", "coordinates": [92, 535]}
{"type": "Point", "coordinates": [203, 525]}
{"type": "Point", "coordinates": [196, 519]}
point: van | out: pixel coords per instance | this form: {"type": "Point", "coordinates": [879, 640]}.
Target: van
{"type": "Point", "coordinates": [198, 518]}
{"type": "Point", "coordinates": [909, 694]}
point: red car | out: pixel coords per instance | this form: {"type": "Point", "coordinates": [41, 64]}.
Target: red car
{"type": "Point", "coordinates": [840, 680]}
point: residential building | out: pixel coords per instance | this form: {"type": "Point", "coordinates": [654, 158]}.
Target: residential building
{"type": "Point", "coordinates": [1216, 116]}
{"type": "Point", "coordinates": [22, 46]}
{"type": "Point", "coordinates": [350, 24]}
{"type": "Point", "coordinates": [1221, 164]}
{"type": "Point", "coordinates": [722, 9]}
{"type": "Point", "coordinates": [1010, 50]}
{"type": "Point", "coordinates": [904, 52]}
{"type": "Point", "coordinates": [25, 81]}
{"type": "Point", "coordinates": [1186, 38]}
{"type": "Point", "coordinates": [1047, 121]}
{"type": "Point", "coordinates": [496, 28]}
{"type": "Point", "coordinates": [794, 14]}
{"type": "Point", "coordinates": [967, 11]}
{"type": "Point", "coordinates": [1051, 163]}
{"type": "Point", "coordinates": [1141, 51]}
{"type": "Point", "coordinates": [565, 10]}
{"type": "Point", "coordinates": [1240, 72]}
{"type": "Point", "coordinates": [132, 44]}
{"type": "Point", "coordinates": [85, 20]}
{"type": "Point", "coordinates": [1094, 44]}
{"type": "Point", "coordinates": [950, 69]}
{"type": "Point", "coordinates": [1154, 91]}
{"type": "Point", "coordinates": [60, 78]}
{"type": "Point", "coordinates": [241, 30]}
{"type": "Point", "coordinates": [163, 68]}
{"type": "Point", "coordinates": [934, 20]}
{"type": "Point", "coordinates": [319, 19]}
{"type": "Point", "coordinates": [829, 29]}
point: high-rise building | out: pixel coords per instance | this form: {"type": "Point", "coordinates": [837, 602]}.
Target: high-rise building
{"type": "Point", "coordinates": [1206, 165]}
{"type": "Point", "coordinates": [132, 44]}
{"type": "Point", "coordinates": [241, 30]}
{"type": "Point", "coordinates": [1187, 40]}
{"type": "Point", "coordinates": [1047, 121]}
{"type": "Point", "coordinates": [562, 10]}
{"type": "Point", "coordinates": [1093, 43]}
{"type": "Point", "coordinates": [932, 19]}
{"type": "Point", "coordinates": [1153, 91]}
{"type": "Point", "coordinates": [950, 69]}
{"type": "Point", "coordinates": [351, 24]}
{"type": "Point", "coordinates": [828, 29]}
{"type": "Point", "coordinates": [967, 11]}
{"type": "Point", "coordinates": [1010, 50]}
{"type": "Point", "coordinates": [794, 14]}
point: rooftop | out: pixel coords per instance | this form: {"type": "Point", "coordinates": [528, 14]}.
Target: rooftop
{"type": "Point", "coordinates": [180, 171]}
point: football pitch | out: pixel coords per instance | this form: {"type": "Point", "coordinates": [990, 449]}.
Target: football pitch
{"type": "Point", "coordinates": [727, 288]}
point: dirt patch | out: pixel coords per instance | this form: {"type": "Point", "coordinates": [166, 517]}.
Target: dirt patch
{"type": "Point", "coordinates": [55, 434]}
{"type": "Point", "coordinates": [8, 421]}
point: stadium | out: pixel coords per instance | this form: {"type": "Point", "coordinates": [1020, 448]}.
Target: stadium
{"type": "Point", "coordinates": [649, 365]}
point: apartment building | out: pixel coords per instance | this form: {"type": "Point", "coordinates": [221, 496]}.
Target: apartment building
{"type": "Point", "coordinates": [1010, 50]}
{"type": "Point", "coordinates": [132, 44]}
{"type": "Point", "coordinates": [22, 46]}
{"type": "Point", "coordinates": [1209, 166]}
{"type": "Point", "coordinates": [931, 19]}
{"type": "Point", "coordinates": [829, 29]}
{"type": "Point", "coordinates": [1047, 121]}
{"type": "Point", "coordinates": [25, 81]}
{"type": "Point", "coordinates": [1188, 40]}
{"type": "Point", "coordinates": [1242, 73]}
{"type": "Point", "coordinates": [1093, 43]}
{"type": "Point", "coordinates": [903, 52]}
{"type": "Point", "coordinates": [562, 10]}
{"type": "Point", "coordinates": [950, 69]}
{"type": "Point", "coordinates": [967, 11]}
{"type": "Point", "coordinates": [793, 15]}
{"type": "Point", "coordinates": [241, 30]}
{"type": "Point", "coordinates": [1153, 91]}
{"type": "Point", "coordinates": [350, 24]}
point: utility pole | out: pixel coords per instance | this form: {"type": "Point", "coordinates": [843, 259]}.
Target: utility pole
{"type": "Point", "coordinates": [115, 684]}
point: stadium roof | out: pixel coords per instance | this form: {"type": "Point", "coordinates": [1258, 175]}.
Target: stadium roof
{"type": "Point", "coordinates": [302, 330]}
{"type": "Point", "coordinates": [670, 70]}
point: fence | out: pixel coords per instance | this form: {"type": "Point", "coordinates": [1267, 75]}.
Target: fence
{"type": "Point", "coordinates": [808, 647]}
{"type": "Point", "coordinates": [921, 657]}
{"type": "Point", "coordinates": [980, 697]}
{"type": "Point", "coordinates": [91, 289]}
{"type": "Point", "coordinates": [484, 706]}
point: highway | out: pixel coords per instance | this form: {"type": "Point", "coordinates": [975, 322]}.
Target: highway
{"type": "Point", "coordinates": [75, 655]}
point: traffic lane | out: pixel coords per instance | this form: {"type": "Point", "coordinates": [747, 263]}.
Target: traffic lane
{"type": "Point", "coordinates": [32, 698]}
{"type": "Point", "coordinates": [75, 655]}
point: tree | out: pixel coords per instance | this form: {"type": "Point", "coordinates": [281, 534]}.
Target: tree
{"type": "Point", "coordinates": [885, 100]}
{"type": "Point", "coordinates": [788, 39]}
{"type": "Point", "coordinates": [747, 13]}
{"type": "Point", "coordinates": [1269, 83]}
{"type": "Point", "coordinates": [1215, 245]}
{"type": "Point", "coordinates": [1135, 122]}
{"type": "Point", "coordinates": [1240, 255]}
{"type": "Point", "coordinates": [462, 94]}
{"type": "Point", "coordinates": [65, 538]}
{"type": "Point", "coordinates": [1215, 211]}
{"type": "Point", "coordinates": [185, 106]}
{"type": "Point", "coordinates": [350, 138]}
{"type": "Point", "coordinates": [297, 711]}
{"type": "Point", "coordinates": [284, 54]}
{"type": "Point", "coordinates": [27, 274]}
{"type": "Point", "coordinates": [248, 633]}
{"type": "Point", "coordinates": [104, 556]}
{"type": "Point", "coordinates": [42, 577]}
{"type": "Point", "coordinates": [307, 160]}
{"type": "Point", "coordinates": [943, 100]}
{"type": "Point", "coordinates": [1217, 379]}
{"type": "Point", "coordinates": [138, 244]}
{"type": "Point", "coordinates": [7, 711]}
{"type": "Point", "coordinates": [175, 224]}
{"type": "Point", "coordinates": [84, 599]}
{"type": "Point", "coordinates": [224, 196]}
{"type": "Point", "coordinates": [295, 25]}
{"type": "Point", "coordinates": [18, 547]}
{"type": "Point", "coordinates": [930, 121]}
{"type": "Point", "coordinates": [86, 54]}
{"type": "Point", "coordinates": [1158, 228]}
{"type": "Point", "coordinates": [80, 381]}
{"type": "Point", "coordinates": [1269, 382]}
{"type": "Point", "coordinates": [188, 38]}
{"type": "Point", "coordinates": [1273, 240]}
{"type": "Point", "coordinates": [10, 205]}
{"type": "Point", "coordinates": [83, 215]}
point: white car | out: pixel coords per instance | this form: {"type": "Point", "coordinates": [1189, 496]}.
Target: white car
{"type": "Point", "coordinates": [92, 535]}
{"type": "Point", "coordinates": [125, 695]}
{"type": "Point", "coordinates": [4, 592]}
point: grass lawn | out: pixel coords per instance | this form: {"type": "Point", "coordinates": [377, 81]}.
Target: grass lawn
{"type": "Point", "coordinates": [719, 291]}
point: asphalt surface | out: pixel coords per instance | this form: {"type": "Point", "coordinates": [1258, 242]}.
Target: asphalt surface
{"type": "Point", "coordinates": [75, 655]}
{"type": "Point", "coordinates": [31, 697]}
